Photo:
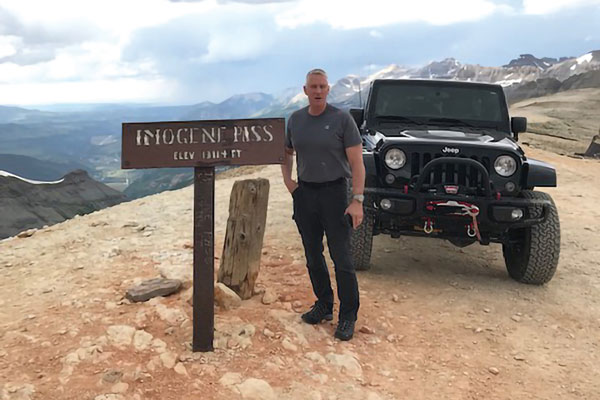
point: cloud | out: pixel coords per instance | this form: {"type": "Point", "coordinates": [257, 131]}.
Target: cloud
{"type": "Point", "coordinates": [236, 1]}
{"type": "Point", "coordinates": [191, 51]}
{"type": "Point", "coordinates": [353, 14]}
{"type": "Point", "coordinates": [541, 7]}
{"type": "Point", "coordinates": [35, 42]}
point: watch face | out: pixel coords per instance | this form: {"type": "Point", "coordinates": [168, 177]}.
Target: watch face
{"type": "Point", "coordinates": [359, 197]}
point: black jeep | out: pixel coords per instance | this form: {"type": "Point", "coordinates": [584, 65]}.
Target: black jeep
{"type": "Point", "coordinates": [442, 161]}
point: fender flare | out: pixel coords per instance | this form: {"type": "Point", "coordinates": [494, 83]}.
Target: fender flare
{"type": "Point", "coordinates": [538, 173]}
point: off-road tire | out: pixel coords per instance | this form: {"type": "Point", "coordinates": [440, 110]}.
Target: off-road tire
{"type": "Point", "coordinates": [361, 241]}
{"type": "Point", "coordinates": [534, 258]}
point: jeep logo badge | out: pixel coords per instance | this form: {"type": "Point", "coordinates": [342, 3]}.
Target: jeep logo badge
{"type": "Point", "coordinates": [451, 150]}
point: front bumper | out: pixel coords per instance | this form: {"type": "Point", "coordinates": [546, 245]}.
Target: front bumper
{"type": "Point", "coordinates": [494, 214]}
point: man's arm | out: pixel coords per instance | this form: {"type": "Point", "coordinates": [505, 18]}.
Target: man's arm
{"type": "Point", "coordinates": [286, 170]}
{"type": "Point", "coordinates": [355, 159]}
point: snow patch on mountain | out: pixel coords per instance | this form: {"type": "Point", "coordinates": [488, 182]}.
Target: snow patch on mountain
{"type": "Point", "coordinates": [33, 182]}
{"type": "Point", "coordinates": [585, 58]}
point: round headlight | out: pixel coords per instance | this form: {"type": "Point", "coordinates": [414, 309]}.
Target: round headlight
{"type": "Point", "coordinates": [395, 158]}
{"type": "Point", "coordinates": [505, 165]}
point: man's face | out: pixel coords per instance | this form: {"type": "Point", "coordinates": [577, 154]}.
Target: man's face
{"type": "Point", "coordinates": [317, 89]}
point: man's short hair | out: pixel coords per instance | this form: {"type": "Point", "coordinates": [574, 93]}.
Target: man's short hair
{"type": "Point", "coordinates": [316, 71]}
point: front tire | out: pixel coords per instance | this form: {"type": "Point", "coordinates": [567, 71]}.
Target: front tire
{"type": "Point", "coordinates": [531, 256]}
{"type": "Point", "coordinates": [361, 242]}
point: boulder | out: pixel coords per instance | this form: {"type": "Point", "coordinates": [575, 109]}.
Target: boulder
{"type": "Point", "coordinates": [594, 148]}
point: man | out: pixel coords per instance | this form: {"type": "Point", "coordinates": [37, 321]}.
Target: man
{"type": "Point", "coordinates": [329, 151]}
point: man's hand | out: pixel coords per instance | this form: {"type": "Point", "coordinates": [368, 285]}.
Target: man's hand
{"type": "Point", "coordinates": [355, 210]}
{"type": "Point", "coordinates": [291, 185]}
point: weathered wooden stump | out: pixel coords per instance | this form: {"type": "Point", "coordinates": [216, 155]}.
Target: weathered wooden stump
{"type": "Point", "coordinates": [242, 249]}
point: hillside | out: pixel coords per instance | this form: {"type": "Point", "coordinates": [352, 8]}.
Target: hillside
{"type": "Point", "coordinates": [28, 204]}
{"type": "Point", "coordinates": [564, 122]}
{"type": "Point", "coordinates": [438, 322]}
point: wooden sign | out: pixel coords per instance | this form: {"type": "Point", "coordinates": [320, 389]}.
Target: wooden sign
{"type": "Point", "coordinates": [203, 145]}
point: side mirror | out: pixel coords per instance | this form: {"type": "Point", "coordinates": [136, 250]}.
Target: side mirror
{"type": "Point", "coordinates": [359, 115]}
{"type": "Point", "coordinates": [518, 125]}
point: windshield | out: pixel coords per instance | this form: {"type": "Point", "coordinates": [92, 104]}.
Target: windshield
{"type": "Point", "coordinates": [441, 104]}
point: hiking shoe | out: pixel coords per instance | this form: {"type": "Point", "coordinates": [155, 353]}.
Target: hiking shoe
{"type": "Point", "coordinates": [345, 330]}
{"type": "Point", "coordinates": [317, 313]}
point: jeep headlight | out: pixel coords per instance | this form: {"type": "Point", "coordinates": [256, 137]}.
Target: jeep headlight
{"type": "Point", "coordinates": [505, 165]}
{"type": "Point", "coordinates": [395, 158]}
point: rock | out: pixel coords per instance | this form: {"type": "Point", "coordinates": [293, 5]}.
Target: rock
{"type": "Point", "coordinates": [494, 370]}
{"type": "Point", "coordinates": [347, 363]}
{"type": "Point", "coordinates": [314, 395]}
{"type": "Point", "coordinates": [27, 233]}
{"type": "Point", "coordinates": [373, 396]}
{"type": "Point", "coordinates": [168, 359]}
{"type": "Point", "coordinates": [159, 346]}
{"type": "Point", "coordinates": [226, 298]}
{"type": "Point", "coordinates": [183, 273]}
{"type": "Point", "coordinates": [153, 288]}
{"type": "Point", "coordinates": [112, 376]}
{"type": "Point", "coordinates": [297, 304]}
{"type": "Point", "coordinates": [268, 333]}
{"type": "Point", "coordinates": [269, 297]}
{"type": "Point", "coordinates": [13, 391]}
{"type": "Point", "coordinates": [367, 330]}
{"type": "Point", "coordinates": [120, 387]}
{"type": "Point", "coordinates": [286, 344]}
{"type": "Point", "coordinates": [172, 316]}
{"type": "Point", "coordinates": [519, 357]}
{"type": "Point", "coordinates": [110, 396]}
{"type": "Point", "coordinates": [594, 148]}
{"type": "Point", "coordinates": [315, 357]}
{"type": "Point", "coordinates": [230, 379]}
{"type": "Point", "coordinates": [486, 310]}
{"type": "Point", "coordinates": [516, 318]}
{"type": "Point", "coordinates": [142, 340]}
{"type": "Point", "coordinates": [180, 369]}
{"type": "Point", "coordinates": [114, 252]}
{"type": "Point", "coordinates": [120, 335]}
{"type": "Point", "coordinates": [395, 298]}
{"type": "Point", "coordinates": [256, 389]}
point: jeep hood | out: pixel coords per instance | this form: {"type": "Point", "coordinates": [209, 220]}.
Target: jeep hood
{"type": "Point", "coordinates": [446, 134]}
{"type": "Point", "coordinates": [472, 137]}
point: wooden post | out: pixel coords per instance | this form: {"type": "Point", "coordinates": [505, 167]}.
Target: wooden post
{"type": "Point", "coordinates": [242, 248]}
{"type": "Point", "coordinates": [204, 230]}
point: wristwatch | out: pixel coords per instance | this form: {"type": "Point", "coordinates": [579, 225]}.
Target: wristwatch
{"type": "Point", "coordinates": [359, 197]}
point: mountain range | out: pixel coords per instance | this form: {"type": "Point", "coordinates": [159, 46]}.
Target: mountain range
{"type": "Point", "coordinates": [89, 137]}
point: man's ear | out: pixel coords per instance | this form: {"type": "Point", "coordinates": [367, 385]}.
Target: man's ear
{"type": "Point", "coordinates": [304, 87]}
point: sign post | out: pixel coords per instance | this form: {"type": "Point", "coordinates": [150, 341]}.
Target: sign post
{"type": "Point", "coordinates": [203, 145]}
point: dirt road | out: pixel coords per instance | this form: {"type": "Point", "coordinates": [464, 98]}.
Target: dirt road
{"type": "Point", "coordinates": [439, 322]}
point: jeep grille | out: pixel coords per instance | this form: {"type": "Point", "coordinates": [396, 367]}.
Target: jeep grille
{"type": "Point", "coordinates": [449, 173]}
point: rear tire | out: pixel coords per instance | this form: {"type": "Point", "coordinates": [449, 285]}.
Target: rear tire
{"type": "Point", "coordinates": [532, 257]}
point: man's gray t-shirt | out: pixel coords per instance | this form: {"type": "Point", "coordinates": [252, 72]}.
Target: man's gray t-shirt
{"type": "Point", "coordinates": [320, 143]}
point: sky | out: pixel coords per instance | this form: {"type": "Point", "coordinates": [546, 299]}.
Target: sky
{"type": "Point", "coordinates": [190, 51]}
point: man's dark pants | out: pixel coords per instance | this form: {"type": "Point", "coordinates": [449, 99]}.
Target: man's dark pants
{"type": "Point", "coordinates": [319, 209]}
